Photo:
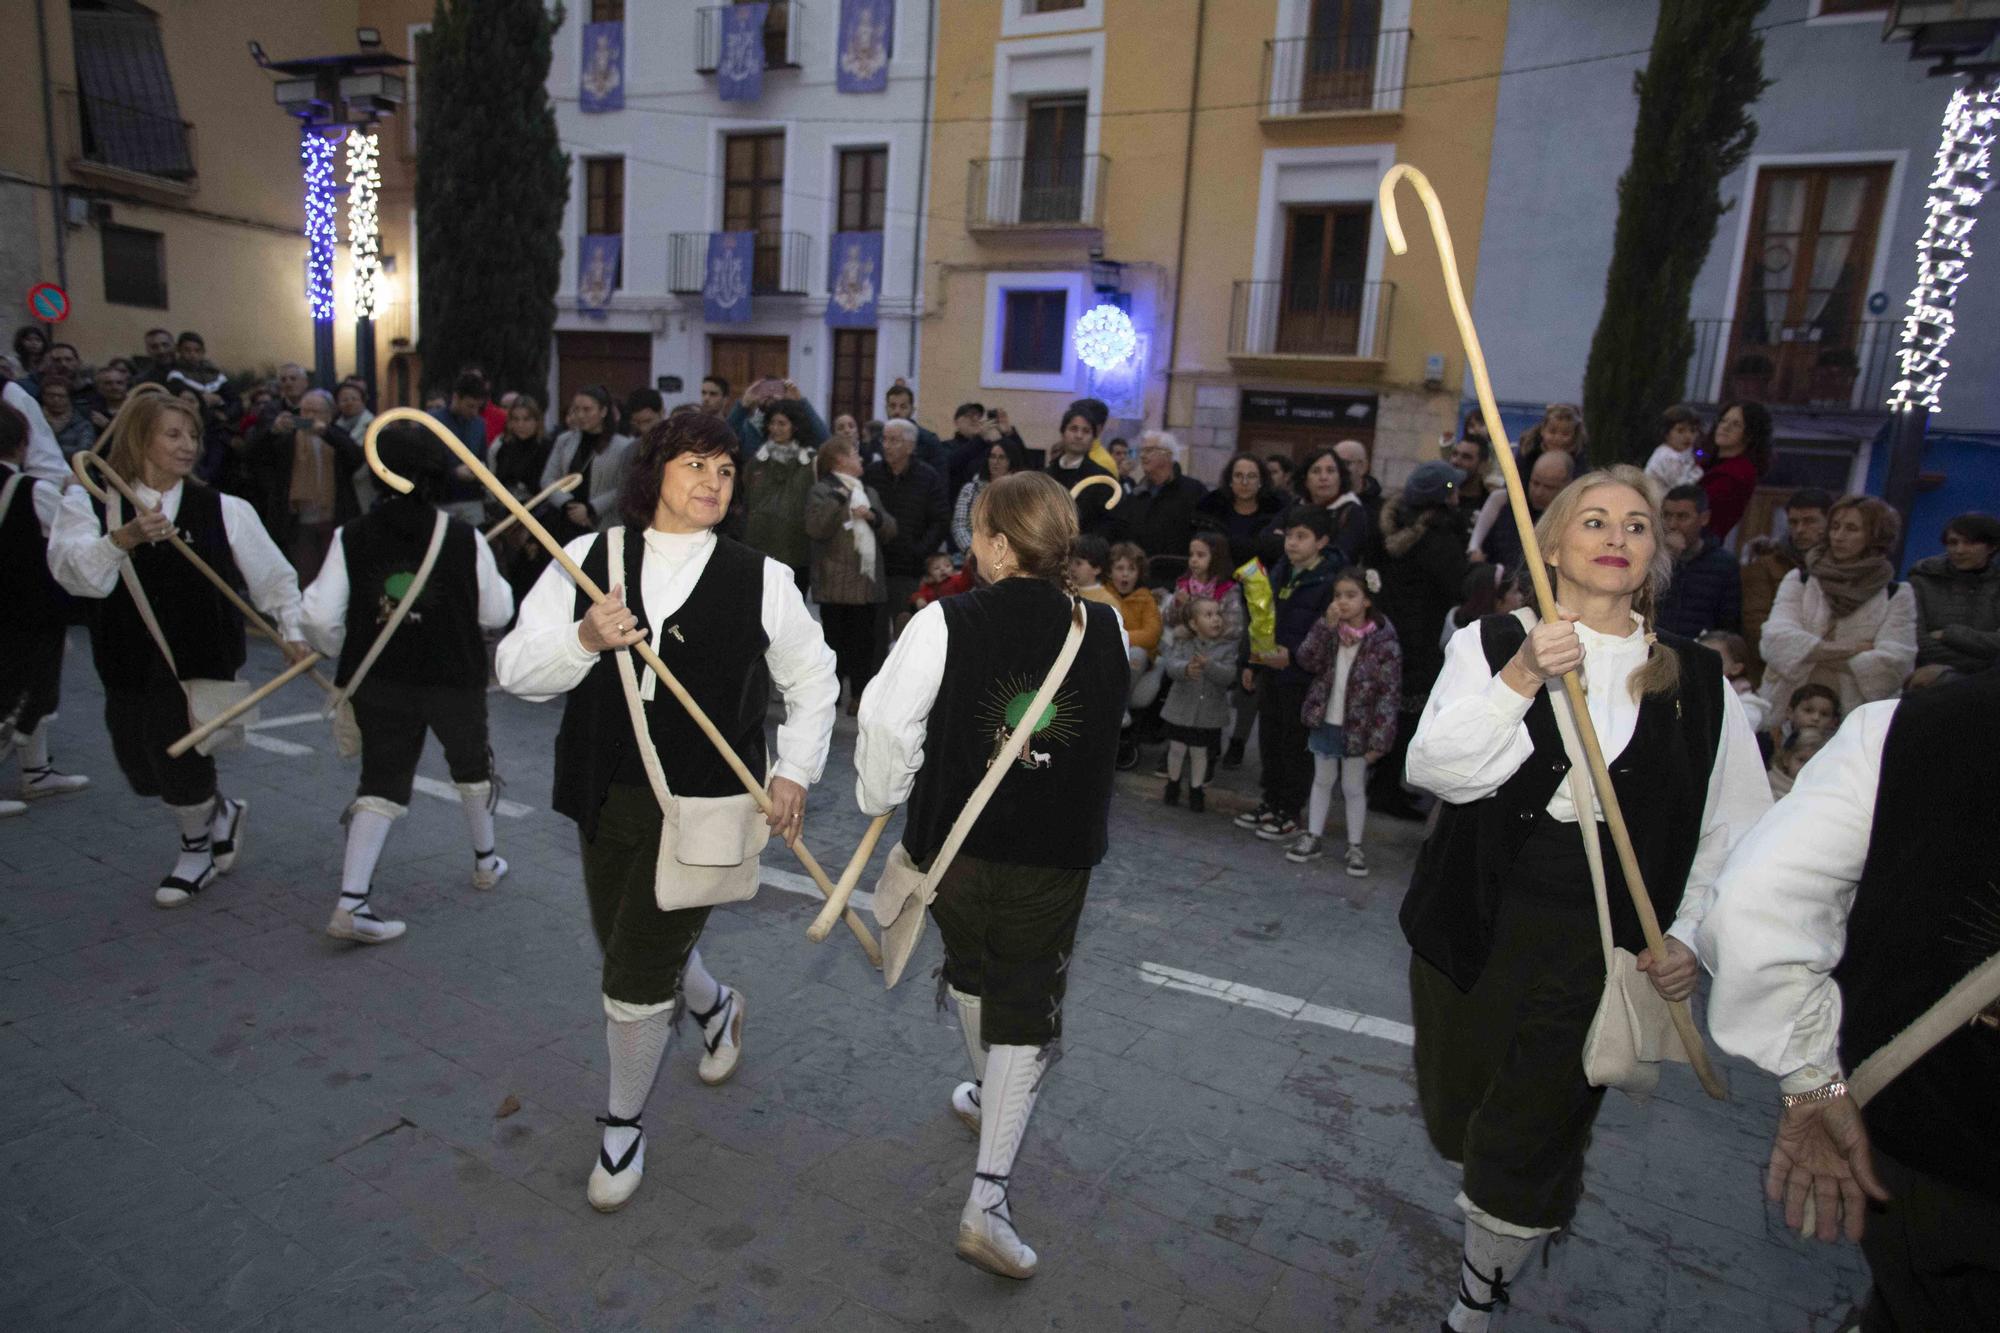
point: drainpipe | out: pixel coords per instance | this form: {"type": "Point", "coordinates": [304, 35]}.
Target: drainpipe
{"type": "Point", "coordinates": [923, 179]}
{"type": "Point", "coordinates": [1187, 188]}
{"type": "Point", "coordinates": [49, 142]}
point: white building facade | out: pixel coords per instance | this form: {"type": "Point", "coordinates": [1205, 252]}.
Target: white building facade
{"type": "Point", "coordinates": [797, 165]}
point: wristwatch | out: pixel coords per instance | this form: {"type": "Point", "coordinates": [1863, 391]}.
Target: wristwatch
{"type": "Point", "coordinates": [1825, 1092]}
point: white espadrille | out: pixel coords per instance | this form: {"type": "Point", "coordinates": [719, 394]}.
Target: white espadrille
{"type": "Point", "coordinates": [721, 1038]}
{"type": "Point", "coordinates": [612, 1183]}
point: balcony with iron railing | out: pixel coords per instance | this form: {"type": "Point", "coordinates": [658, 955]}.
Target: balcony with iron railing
{"type": "Point", "coordinates": [126, 145]}
{"type": "Point", "coordinates": [781, 266]}
{"type": "Point", "coordinates": [1833, 364]}
{"type": "Point", "coordinates": [784, 26]}
{"type": "Point", "coordinates": [1060, 195]}
{"type": "Point", "coordinates": [1334, 329]}
{"type": "Point", "coordinates": [1356, 74]}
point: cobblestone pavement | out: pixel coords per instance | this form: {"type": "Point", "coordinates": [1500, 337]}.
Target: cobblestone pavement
{"type": "Point", "coordinates": [219, 1118]}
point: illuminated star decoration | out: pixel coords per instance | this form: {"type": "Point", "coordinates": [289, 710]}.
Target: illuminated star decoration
{"type": "Point", "coordinates": [1944, 250]}
{"type": "Point", "coordinates": [364, 188]}
{"type": "Point", "coordinates": [1104, 337]}
{"type": "Point", "coordinates": [322, 227]}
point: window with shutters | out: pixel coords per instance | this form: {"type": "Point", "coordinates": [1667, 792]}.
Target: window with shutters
{"type": "Point", "coordinates": [864, 188]}
{"type": "Point", "coordinates": [604, 202]}
{"type": "Point", "coordinates": [127, 116]}
{"type": "Point", "coordinates": [753, 199]}
{"type": "Point", "coordinates": [853, 372]}
{"type": "Point", "coordinates": [135, 267]}
{"type": "Point", "coordinates": [607, 11]}
{"type": "Point", "coordinates": [1032, 337]}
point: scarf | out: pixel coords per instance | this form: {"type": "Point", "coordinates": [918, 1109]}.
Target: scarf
{"type": "Point", "coordinates": [1352, 635]}
{"type": "Point", "coordinates": [788, 452]}
{"type": "Point", "coordinates": [865, 548]}
{"type": "Point", "coordinates": [1216, 588]}
{"type": "Point", "coordinates": [1848, 584]}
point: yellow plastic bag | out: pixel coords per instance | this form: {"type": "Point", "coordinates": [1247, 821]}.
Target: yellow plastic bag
{"type": "Point", "coordinates": [1263, 607]}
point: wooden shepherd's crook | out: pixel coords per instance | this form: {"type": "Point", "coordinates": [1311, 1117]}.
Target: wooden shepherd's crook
{"type": "Point", "coordinates": [852, 875]}
{"type": "Point", "coordinates": [1545, 601]}
{"type": "Point", "coordinates": [569, 483]}
{"type": "Point", "coordinates": [243, 705]}
{"type": "Point", "coordinates": [597, 595]}
{"type": "Point", "coordinates": [83, 461]}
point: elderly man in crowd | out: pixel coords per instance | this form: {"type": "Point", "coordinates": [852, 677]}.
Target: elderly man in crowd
{"type": "Point", "coordinates": [1159, 514]}
{"type": "Point", "coordinates": [113, 382]}
{"type": "Point", "coordinates": [302, 470]}
{"type": "Point", "coordinates": [912, 493]}
{"type": "Point", "coordinates": [1354, 456]}
{"type": "Point", "coordinates": [1551, 472]}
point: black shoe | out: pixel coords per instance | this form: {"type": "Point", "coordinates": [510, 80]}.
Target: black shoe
{"type": "Point", "coordinates": [1172, 795]}
{"type": "Point", "coordinates": [1233, 756]}
{"type": "Point", "coordinates": [1197, 800]}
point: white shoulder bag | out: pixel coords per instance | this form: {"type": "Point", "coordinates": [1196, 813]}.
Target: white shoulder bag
{"type": "Point", "coordinates": [904, 892]}
{"type": "Point", "coordinates": [347, 731]}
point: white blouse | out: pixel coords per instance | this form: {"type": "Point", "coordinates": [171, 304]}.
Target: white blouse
{"type": "Point", "coordinates": [325, 606]}
{"type": "Point", "coordinates": [542, 656]}
{"type": "Point", "coordinates": [1473, 737]}
{"type": "Point", "coordinates": [1779, 922]}
{"type": "Point", "coordinates": [86, 561]}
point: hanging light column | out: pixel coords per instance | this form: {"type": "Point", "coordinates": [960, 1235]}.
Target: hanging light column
{"type": "Point", "coordinates": [322, 233]}
{"type": "Point", "coordinates": [364, 189]}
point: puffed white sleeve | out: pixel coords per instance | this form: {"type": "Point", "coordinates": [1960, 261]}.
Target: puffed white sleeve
{"type": "Point", "coordinates": [1778, 925]}
{"type": "Point", "coordinates": [270, 578]}
{"type": "Point", "coordinates": [323, 609]}
{"type": "Point", "coordinates": [541, 656]}
{"type": "Point", "coordinates": [82, 556]}
{"type": "Point", "coordinates": [496, 597]}
{"type": "Point", "coordinates": [45, 457]}
{"type": "Point", "coordinates": [889, 740]}
{"type": "Point", "coordinates": [802, 669]}
{"type": "Point", "coordinates": [1473, 735]}
{"type": "Point", "coordinates": [1739, 794]}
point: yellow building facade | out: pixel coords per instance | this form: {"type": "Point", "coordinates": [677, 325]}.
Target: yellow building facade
{"type": "Point", "coordinates": [1211, 168]}
{"type": "Point", "coordinates": [147, 168]}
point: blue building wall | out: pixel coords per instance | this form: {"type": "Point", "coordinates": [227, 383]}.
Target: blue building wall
{"type": "Point", "coordinates": [1969, 462]}
{"type": "Point", "coordinates": [1563, 137]}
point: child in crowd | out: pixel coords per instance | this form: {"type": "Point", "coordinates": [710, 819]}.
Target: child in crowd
{"type": "Point", "coordinates": [941, 580]}
{"type": "Point", "coordinates": [1302, 585]}
{"type": "Point", "coordinates": [1202, 663]}
{"type": "Point", "coordinates": [1735, 655]}
{"type": "Point", "coordinates": [1674, 462]}
{"type": "Point", "coordinates": [1141, 615]}
{"type": "Point", "coordinates": [1350, 709]}
{"type": "Point", "coordinates": [1488, 590]}
{"type": "Point", "coordinates": [1815, 706]}
{"type": "Point", "coordinates": [1799, 747]}
{"type": "Point", "coordinates": [1209, 562]}
{"type": "Point", "coordinates": [1089, 557]}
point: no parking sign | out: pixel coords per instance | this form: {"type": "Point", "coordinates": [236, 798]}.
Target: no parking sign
{"type": "Point", "coordinates": [48, 303]}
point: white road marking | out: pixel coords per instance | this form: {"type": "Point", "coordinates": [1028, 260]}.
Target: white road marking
{"type": "Point", "coordinates": [444, 791]}
{"type": "Point", "coordinates": [791, 882]}
{"type": "Point", "coordinates": [258, 741]}
{"type": "Point", "coordinates": [1285, 1006]}
{"type": "Point", "coordinates": [286, 720]}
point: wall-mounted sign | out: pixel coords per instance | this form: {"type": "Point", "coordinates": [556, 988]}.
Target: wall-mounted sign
{"type": "Point", "coordinates": [1331, 410]}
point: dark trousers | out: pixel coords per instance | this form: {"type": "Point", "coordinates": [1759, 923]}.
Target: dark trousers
{"type": "Point", "coordinates": [1500, 1068]}
{"type": "Point", "coordinates": [852, 631]}
{"type": "Point", "coordinates": [1287, 764]}
{"type": "Point", "coordinates": [1934, 1252]}
{"type": "Point", "coordinates": [393, 719]}
{"type": "Point", "coordinates": [31, 675]}
{"type": "Point", "coordinates": [645, 949]}
{"type": "Point", "coordinates": [143, 723]}
{"type": "Point", "coordinates": [1009, 934]}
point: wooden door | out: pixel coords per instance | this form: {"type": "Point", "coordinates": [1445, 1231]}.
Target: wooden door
{"type": "Point", "coordinates": [1339, 70]}
{"type": "Point", "coordinates": [1052, 165]}
{"type": "Point", "coordinates": [621, 362]}
{"type": "Point", "coordinates": [744, 361]}
{"type": "Point", "coordinates": [753, 199]}
{"type": "Point", "coordinates": [1326, 263]}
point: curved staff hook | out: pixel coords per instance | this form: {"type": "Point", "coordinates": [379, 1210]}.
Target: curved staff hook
{"type": "Point", "coordinates": [83, 460]}
{"type": "Point", "coordinates": [597, 594]}
{"type": "Point", "coordinates": [1545, 600]}
{"type": "Point", "coordinates": [1099, 479]}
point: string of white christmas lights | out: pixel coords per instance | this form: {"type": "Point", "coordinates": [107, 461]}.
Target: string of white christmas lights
{"type": "Point", "coordinates": [364, 188]}
{"type": "Point", "coordinates": [1944, 250]}
{"type": "Point", "coordinates": [322, 227]}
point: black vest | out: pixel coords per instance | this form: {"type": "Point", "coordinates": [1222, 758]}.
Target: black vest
{"type": "Point", "coordinates": [35, 601]}
{"type": "Point", "coordinates": [204, 630]}
{"type": "Point", "coordinates": [1051, 808]}
{"type": "Point", "coordinates": [1927, 910]}
{"type": "Point", "coordinates": [718, 657]}
{"type": "Point", "coordinates": [439, 642]}
{"type": "Point", "coordinates": [1661, 779]}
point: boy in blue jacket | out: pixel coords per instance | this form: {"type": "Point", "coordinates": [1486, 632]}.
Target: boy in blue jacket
{"type": "Point", "coordinates": [1301, 587]}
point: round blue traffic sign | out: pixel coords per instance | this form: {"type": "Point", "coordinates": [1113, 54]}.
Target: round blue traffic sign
{"type": "Point", "coordinates": [49, 302]}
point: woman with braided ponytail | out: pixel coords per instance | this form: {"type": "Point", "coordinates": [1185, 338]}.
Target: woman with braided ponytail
{"type": "Point", "coordinates": [1507, 967]}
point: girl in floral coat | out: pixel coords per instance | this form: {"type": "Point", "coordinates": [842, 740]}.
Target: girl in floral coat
{"type": "Point", "coordinates": [1350, 708]}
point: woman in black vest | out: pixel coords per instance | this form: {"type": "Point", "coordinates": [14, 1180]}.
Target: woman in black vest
{"type": "Point", "coordinates": [1507, 966]}
{"type": "Point", "coordinates": [732, 627]}
{"type": "Point", "coordinates": [155, 448]}
{"type": "Point", "coordinates": [430, 675]}
{"type": "Point", "coordinates": [932, 721]}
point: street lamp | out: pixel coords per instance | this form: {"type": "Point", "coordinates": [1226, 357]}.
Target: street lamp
{"type": "Point", "coordinates": [337, 101]}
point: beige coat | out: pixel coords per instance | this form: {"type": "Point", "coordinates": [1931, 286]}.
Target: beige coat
{"type": "Point", "coordinates": [1801, 619]}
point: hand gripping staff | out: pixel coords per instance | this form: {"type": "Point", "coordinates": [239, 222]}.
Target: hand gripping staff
{"type": "Point", "coordinates": [1545, 600]}
{"type": "Point", "coordinates": [837, 903]}
{"type": "Point", "coordinates": [597, 594]}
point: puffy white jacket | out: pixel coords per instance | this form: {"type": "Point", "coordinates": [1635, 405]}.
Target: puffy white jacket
{"type": "Point", "coordinates": [1801, 620]}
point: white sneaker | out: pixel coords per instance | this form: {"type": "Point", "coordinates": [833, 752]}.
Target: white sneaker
{"type": "Point", "coordinates": [8, 809]}
{"type": "Point", "coordinates": [488, 871]}
{"type": "Point", "coordinates": [965, 1105]}
{"type": "Point", "coordinates": [1307, 848]}
{"type": "Point", "coordinates": [1357, 864]}
{"type": "Point", "coordinates": [362, 926]}
{"type": "Point", "coordinates": [225, 834]}
{"type": "Point", "coordinates": [614, 1182]}
{"type": "Point", "coordinates": [722, 1036]}
{"type": "Point", "coordinates": [45, 781]}
{"type": "Point", "coordinates": [986, 1239]}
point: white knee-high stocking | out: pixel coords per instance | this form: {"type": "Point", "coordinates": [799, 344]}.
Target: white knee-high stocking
{"type": "Point", "coordinates": [369, 820]}
{"type": "Point", "coordinates": [1492, 1261]}
{"type": "Point", "coordinates": [636, 1046]}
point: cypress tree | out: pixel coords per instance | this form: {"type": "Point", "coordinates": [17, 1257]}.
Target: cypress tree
{"type": "Point", "coordinates": [1705, 71]}
{"type": "Point", "coordinates": [492, 180]}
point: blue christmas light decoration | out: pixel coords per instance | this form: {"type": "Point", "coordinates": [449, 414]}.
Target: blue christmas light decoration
{"type": "Point", "coordinates": [1104, 337]}
{"type": "Point", "coordinates": [322, 213]}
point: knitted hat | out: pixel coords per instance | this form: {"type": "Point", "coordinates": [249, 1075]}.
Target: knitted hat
{"type": "Point", "coordinates": [1433, 484]}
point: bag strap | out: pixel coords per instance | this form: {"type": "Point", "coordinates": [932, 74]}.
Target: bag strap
{"type": "Point", "coordinates": [1584, 799]}
{"type": "Point", "coordinates": [7, 492]}
{"type": "Point", "coordinates": [114, 514]}
{"type": "Point", "coordinates": [961, 827]}
{"type": "Point", "coordinates": [628, 680]}
{"type": "Point", "coordinates": [403, 606]}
